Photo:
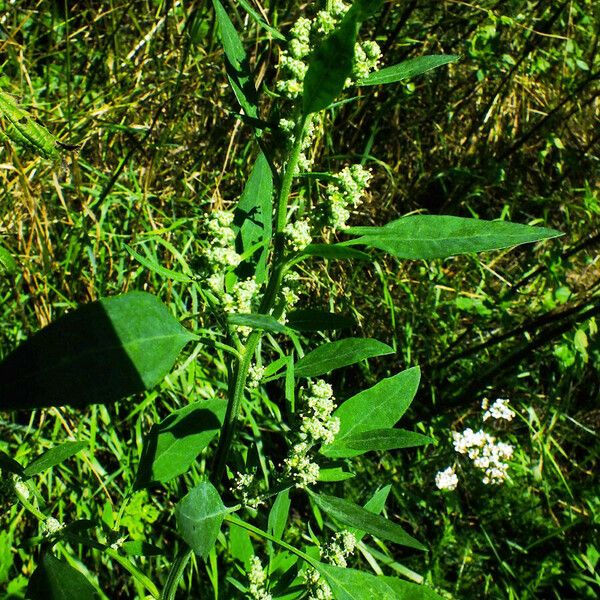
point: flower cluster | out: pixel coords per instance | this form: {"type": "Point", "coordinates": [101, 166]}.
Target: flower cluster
{"type": "Point", "coordinates": [257, 577]}
{"type": "Point", "coordinates": [52, 526]}
{"type": "Point", "coordinates": [499, 410]}
{"type": "Point", "coordinates": [220, 251]}
{"type": "Point", "coordinates": [255, 375]}
{"type": "Point", "coordinates": [317, 426]}
{"type": "Point", "coordinates": [244, 488]}
{"type": "Point", "coordinates": [305, 35]}
{"type": "Point", "coordinates": [346, 192]}
{"type": "Point", "coordinates": [487, 455]}
{"type": "Point", "coordinates": [298, 234]}
{"type": "Point", "coordinates": [446, 479]}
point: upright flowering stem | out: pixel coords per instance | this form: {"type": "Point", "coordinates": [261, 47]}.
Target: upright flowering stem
{"type": "Point", "coordinates": [239, 375]}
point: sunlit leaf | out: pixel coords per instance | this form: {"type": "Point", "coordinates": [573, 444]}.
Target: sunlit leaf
{"type": "Point", "coordinates": [408, 69]}
{"type": "Point", "coordinates": [53, 457]}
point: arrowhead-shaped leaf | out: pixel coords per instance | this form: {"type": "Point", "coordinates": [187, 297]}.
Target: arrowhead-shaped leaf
{"type": "Point", "coordinates": [353, 515]}
{"type": "Point", "coordinates": [432, 236]}
{"type": "Point", "coordinates": [335, 355]}
{"type": "Point", "coordinates": [99, 352]}
{"type": "Point", "coordinates": [199, 517]}
{"type": "Point", "coordinates": [379, 407]}
{"type": "Point", "coordinates": [175, 443]}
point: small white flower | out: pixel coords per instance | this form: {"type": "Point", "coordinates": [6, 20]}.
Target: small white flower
{"type": "Point", "coordinates": [499, 410]}
{"type": "Point", "coordinates": [52, 526]}
{"type": "Point", "coordinates": [255, 375]}
{"type": "Point", "coordinates": [446, 479]}
{"type": "Point", "coordinates": [21, 488]}
{"type": "Point", "coordinates": [257, 578]}
{"type": "Point", "coordinates": [298, 234]}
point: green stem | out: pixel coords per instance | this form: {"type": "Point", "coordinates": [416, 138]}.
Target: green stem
{"type": "Point", "coordinates": [175, 574]}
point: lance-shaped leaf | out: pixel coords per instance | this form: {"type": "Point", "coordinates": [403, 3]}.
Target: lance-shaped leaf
{"type": "Point", "coordinates": [53, 457]}
{"type": "Point", "coordinates": [7, 262]}
{"type": "Point", "coordinates": [432, 236]}
{"type": "Point", "coordinates": [174, 444]}
{"type": "Point", "coordinates": [385, 439]}
{"type": "Point", "coordinates": [278, 515]}
{"type": "Point", "coordinates": [378, 407]}
{"type": "Point", "coordinates": [375, 504]}
{"type": "Point", "coordinates": [99, 352]}
{"type": "Point", "coordinates": [56, 579]}
{"type": "Point", "coordinates": [352, 515]}
{"type": "Point", "coordinates": [335, 355]}
{"type": "Point", "coordinates": [408, 68]}
{"type": "Point", "coordinates": [257, 321]}
{"type": "Point", "coordinates": [199, 516]}
{"type": "Point", "coordinates": [333, 251]}
{"type": "Point", "coordinates": [254, 215]}
{"type": "Point", "coordinates": [238, 69]}
{"type": "Point", "coordinates": [351, 584]}
{"type": "Point", "coordinates": [316, 320]}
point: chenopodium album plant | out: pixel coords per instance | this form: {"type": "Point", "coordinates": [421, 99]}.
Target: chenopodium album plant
{"type": "Point", "coordinates": [119, 346]}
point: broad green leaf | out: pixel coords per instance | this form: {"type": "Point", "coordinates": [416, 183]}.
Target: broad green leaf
{"type": "Point", "coordinates": [378, 407]}
{"type": "Point", "coordinates": [7, 262]}
{"type": "Point", "coordinates": [278, 515]}
{"type": "Point", "coordinates": [55, 579]}
{"type": "Point", "coordinates": [139, 548]}
{"type": "Point", "coordinates": [330, 65]}
{"type": "Point", "coordinates": [334, 251]}
{"type": "Point", "coordinates": [238, 68]}
{"type": "Point", "coordinates": [53, 457]}
{"type": "Point", "coordinates": [316, 320]}
{"type": "Point", "coordinates": [156, 267]}
{"type": "Point", "coordinates": [342, 353]}
{"type": "Point", "coordinates": [99, 352]}
{"type": "Point", "coordinates": [199, 516]}
{"type": "Point", "coordinates": [385, 439]}
{"type": "Point", "coordinates": [408, 69]}
{"type": "Point", "coordinates": [353, 515]}
{"type": "Point", "coordinates": [432, 236]}
{"type": "Point", "coordinates": [240, 546]}
{"type": "Point", "coordinates": [258, 18]}
{"type": "Point", "coordinates": [257, 321]}
{"type": "Point", "coordinates": [174, 444]}
{"type": "Point", "coordinates": [351, 584]}
{"type": "Point", "coordinates": [331, 474]}
{"type": "Point", "coordinates": [254, 214]}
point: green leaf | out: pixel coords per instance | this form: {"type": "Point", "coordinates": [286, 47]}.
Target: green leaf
{"type": "Point", "coordinates": [316, 320]}
{"type": "Point", "coordinates": [333, 251]}
{"type": "Point", "coordinates": [351, 584]}
{"type": "Point", "coordinates": [7, 262]}
{"type": "Point", "coordinates": [10, 464]}
{"type": "Point", "coordinates": [257, 321]}
{"type": "Point", "coordinates": [257, 17]}
{"type": "Point", "coordinates": [238, 68]}
{"type": "Point", "coordinates": [53, 457]}
{"type": "Point", "coordinates": [353, 515]}
{"type": "Point", "coordinates": [378, 407]}
{"type": "Point", "coordinates": [408, 69]}
{"type": "Point", "coordinates": [254, 214]}
{"type": "Point", "coordinates": [55, 579]}
{"type": "Point", "coordinates": [199, 516]}
{"type": "Point", "coordinates": [375, 505]}
{"type": "Point", "coordinates": [385, 439]}
{"type": "Point", "coordinates": [334, 355]}
{"type": "Point", "coordinates": [330, 65]}
{"type": "Point", "coordinates": [331, 474]}
{"type": "Point", "coordinates": [99, 352]}
{"type": "Point", "coordinates": [139, 548]}
{"type": "Point", "coordinates": [174, 444]}
{"type": "Point", "coordinates": [432, 236]}
{"type": "Point", "coordinates": [278, 514]}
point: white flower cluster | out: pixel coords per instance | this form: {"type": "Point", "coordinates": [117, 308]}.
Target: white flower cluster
{"type": "Point", "coordinates": [318, 588]}
{"type": "Point", "coordinates": [243, 488]}
{"type": "Point", "coordinates": [340, 548]}
{"type": "Point", "coordinates": [486, 454]}
{"type": "Point", "coordinates": [304, 36]}
{"type": "Point", "coordinates": [499, 410]}
{"type": "Point", "coordinates": [21, 487]}
{"type": "Point", "coordinates": [52, 526]}
{"type": "Point", "coordinates": [348, 191]}
{"type": "Point", "coordinates": [256, 579]}
{"type": "Point", "coordinates": [446, 479]}
{"type": "Point", "coordinates": [255, 375]}
{"type": "Point", "coordinates": [240, 299]}
{"type": "Point", "coordinates": [298, 234]}
{"type": "Point", "coordinates": [318, 426]}
{"type": "Point", "coordinates": [220, 251]}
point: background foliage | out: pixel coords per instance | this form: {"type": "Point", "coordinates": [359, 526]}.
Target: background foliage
{"type": "Point", "coordinates": [509, 130]}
